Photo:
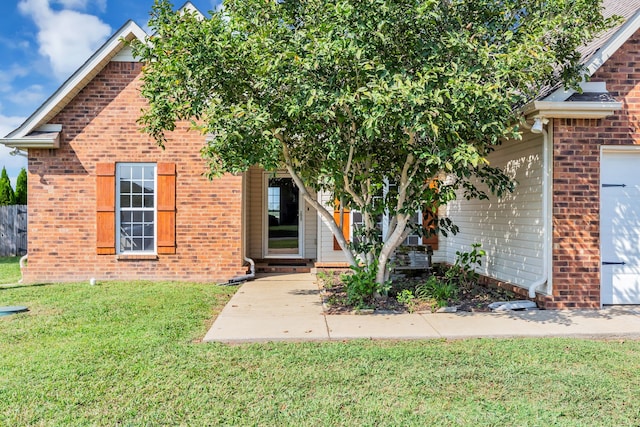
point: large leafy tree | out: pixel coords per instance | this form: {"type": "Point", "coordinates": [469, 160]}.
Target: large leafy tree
{"type": "Point", "coordinates": [347, 95]}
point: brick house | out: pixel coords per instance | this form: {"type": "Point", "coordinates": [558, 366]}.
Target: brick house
{"type": "Point", "coordinates": [106, 202]}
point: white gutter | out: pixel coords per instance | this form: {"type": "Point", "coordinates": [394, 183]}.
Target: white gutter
{"type": "Point", "coordinates": [539, 127]}
{"type": "Point", "coordinates": [46, 139]}
{"type": "Point", "coordinates": [571, 110]}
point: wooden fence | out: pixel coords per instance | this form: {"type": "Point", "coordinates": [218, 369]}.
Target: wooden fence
{"type": "Point", "coordinates": [13, 230]}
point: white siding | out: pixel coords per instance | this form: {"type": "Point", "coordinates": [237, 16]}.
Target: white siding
{"type": "Point", "coordinates": [326, 253]}
{"type": "Point", "coordinates": [310, 232]}
{"type": "Point", "coordinates": [254, 212]}
{"type": "Point", "coordinates": [509, 228]}
{"type": "Point", "coordinates": [125, 55]}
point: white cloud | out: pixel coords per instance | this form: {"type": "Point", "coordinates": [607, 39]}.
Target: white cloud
{"type": "Point", "coordinates": [7, 76]}
{"type": "Point", "coordinates": [9, 123]}
{"type": "Point", "coordinates": [31, 95]}
{"type": "Point", "coordinates": [82, 4]}
{"type": "Point", "coordinates": [14, 44]}
{"type": "Point", "coordinates": [73, 4]}
{"type": "Point", "coordinates": [67, 38]}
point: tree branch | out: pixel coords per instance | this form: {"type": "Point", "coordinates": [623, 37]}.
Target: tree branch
{"type": "Point", "coordinates": [325, 215]}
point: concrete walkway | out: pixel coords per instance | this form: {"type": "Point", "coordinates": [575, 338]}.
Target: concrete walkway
{"type": "Point", "coordinates": [288, 307]}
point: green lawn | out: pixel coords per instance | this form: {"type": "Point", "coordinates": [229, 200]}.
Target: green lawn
{"type": "Point", "coordinates": [282, 243]}
{"type": "Point", "coordinates": [9, 269]}
{"type": "Point", "coordinates": [128, 354]}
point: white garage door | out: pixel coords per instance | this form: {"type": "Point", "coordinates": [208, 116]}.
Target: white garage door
{"type": "Point", "coordinates": [620, 227]}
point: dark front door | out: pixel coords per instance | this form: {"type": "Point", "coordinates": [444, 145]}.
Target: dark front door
{"type": "Point", "coordinates": [283, 217]}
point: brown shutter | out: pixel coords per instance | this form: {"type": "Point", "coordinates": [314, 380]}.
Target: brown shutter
{"type": "Point", "coordinates": [344, 224]}
{"type": "Point", "coordinates": [105, 208]}
{"type": "Point", "coordinates": [166, 208]}
{"type": "Point", "coordinates": [430, 220]}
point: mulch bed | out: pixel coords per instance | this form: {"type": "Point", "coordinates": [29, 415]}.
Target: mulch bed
{"type": "Point", "coordinates": [477, 298]}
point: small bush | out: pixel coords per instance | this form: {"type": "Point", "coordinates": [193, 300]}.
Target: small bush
{"type": "Point", "coordinates": [361, 285]}
{"type": "Point", "coordinates": [407, 298]}
{"type": "Point", "coordinates": [463, 271]}
{"type": "Point", "coordinates": [437, 289]}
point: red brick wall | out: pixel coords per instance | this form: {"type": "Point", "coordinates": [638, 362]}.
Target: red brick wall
{"type": "Point", "coordinates": [99, 125]}
{"type": "Point", "coordinates": [576, 182]}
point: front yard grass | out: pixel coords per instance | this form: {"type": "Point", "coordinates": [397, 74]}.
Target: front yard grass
{"type": "Point", "coordinates": [9, 269]}
{"type": "Point", "coordinates": [127, 354]}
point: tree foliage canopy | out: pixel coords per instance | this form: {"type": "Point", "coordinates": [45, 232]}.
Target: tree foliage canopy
{"type": "Point", "coordinates": [21, 188]}
{"type": "Point", "coordinates": [350, 94]}
{"type": "Point", "coordinates": [7, 196]}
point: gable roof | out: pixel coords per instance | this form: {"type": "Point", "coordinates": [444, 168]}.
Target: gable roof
{"type": "Point", "coordinates": [36, 132]}
{"type": "Point", "coordinates": [595, 53]}
{"type": "Point", "coordinates": [32, 130]}
{"type": "Point", "coordinates": [598, 50]}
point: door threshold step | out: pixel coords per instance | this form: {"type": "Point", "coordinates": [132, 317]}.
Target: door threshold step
{"type": "Point", "coordinates": [283, 270]}
{"type": "Point", "coordinates": [283, 266]}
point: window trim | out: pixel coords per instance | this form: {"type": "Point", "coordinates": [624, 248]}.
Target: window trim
{"type": "Point", "coordinates": [118, 209]}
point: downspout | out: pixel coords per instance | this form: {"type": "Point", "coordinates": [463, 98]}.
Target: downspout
{"type": "Point", "coordinates": [252, 264]}
{"type": "Point", "coordinates": [245, 277]}
{"type": "Point", "coordinates": [17, 152]}
{"type": "Point", "coordinates": [22, 260]}
{"type": "Point", "coordinates": [539, 127]}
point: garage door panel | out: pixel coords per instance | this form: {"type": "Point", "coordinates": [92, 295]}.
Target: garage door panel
{"type": "Point", "coordinates": [625, 285]}
{"type": "Point", "coordinates": [620, 228]}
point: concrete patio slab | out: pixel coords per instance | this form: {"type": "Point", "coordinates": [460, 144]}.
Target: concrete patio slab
{"type": "Point", "coordinates": [288, 307]}
{"type": "Point", "coordinates": [272, 308]}
{"type": "Point", "coordinates": [380, 326]}
{"type": "Point", "coordinates": [267, 328]}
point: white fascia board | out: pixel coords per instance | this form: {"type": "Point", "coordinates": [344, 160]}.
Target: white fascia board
{"type": "Point", "coordinates": [614, 43]}
{"type": "Point", "coordinates": [32, 142]}
{"type": "Point", "coordinates": [561, 94]}
{"type": "Point", "coordinates": [47, 136]}
{"type": "Point", "coordinates": [43, 139]}
{"type": "Point", "coordinates": [79, 79]}
{"type": "Point", "coordinates": [571, 110]}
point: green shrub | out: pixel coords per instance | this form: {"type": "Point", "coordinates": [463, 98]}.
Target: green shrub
{"type": "Point", "coordinates": [463, 271]}
{"type": "Point", "coordinates": [21, 188]}
{"type": "Point", "coordinates": [407, 298]}
{"type": "Point", "coordinates": [361, 285]}
{"type": "Point", "coordinates": [7, 197]}
{"type": "Point", "coordinates": [437, 289]}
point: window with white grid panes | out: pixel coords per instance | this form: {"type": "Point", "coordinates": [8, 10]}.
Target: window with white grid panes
{"type": "Point", "coordinates": [136, 207]}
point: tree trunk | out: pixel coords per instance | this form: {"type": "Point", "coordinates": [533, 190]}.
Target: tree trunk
{"type": "Point", "coordinates": [326, 216]}
{"type": "Point", "coordinates": [395, 239]}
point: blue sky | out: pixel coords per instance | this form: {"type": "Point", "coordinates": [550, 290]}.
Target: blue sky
{"type": "Point", "coordinates": [42, 42]}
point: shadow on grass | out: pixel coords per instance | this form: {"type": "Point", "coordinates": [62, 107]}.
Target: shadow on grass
{"type": "Point", "coordinates": [19, 285]}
